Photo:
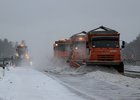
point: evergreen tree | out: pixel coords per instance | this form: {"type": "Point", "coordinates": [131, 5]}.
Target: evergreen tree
{"type": "Point", "coordinates": [6, 48]}
{"type": "Point", "coordinates": [132, 50]}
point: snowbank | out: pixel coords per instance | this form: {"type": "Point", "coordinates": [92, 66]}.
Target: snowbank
{"type": "Point", "coordinates": [65, 69]}
{"type": "Point", "coordinates": [115, 79]}
{"type": "Point", "coordinates": [106, 74]}
{"type": "Point", "coordinates": [132, 68]}
{"type": "Point", "coordinates": [24, 83]}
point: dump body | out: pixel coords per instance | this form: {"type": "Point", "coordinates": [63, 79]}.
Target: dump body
{"type": "Point", "coordinates": [104, 48]}
{"type": "Point", "coordinates": [62, 49]}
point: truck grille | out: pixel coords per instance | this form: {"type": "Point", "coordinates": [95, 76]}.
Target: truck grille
{"type": "Point", "coordinates": [105, 57]}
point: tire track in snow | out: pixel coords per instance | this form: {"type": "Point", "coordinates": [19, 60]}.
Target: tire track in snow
{"type": "Point", "coordinates": [78, 92]}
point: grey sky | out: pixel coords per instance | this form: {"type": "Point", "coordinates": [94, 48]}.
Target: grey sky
{"type": "Point", "coordinates": [44, 21]}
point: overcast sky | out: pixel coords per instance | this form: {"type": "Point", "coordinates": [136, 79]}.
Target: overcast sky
{"type": "Point", "coordinates": [41, 22]}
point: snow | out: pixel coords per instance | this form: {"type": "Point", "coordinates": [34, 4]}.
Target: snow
{"type": "Point", "coordinates": [24, 83]}
{"type": "Point", "coordinates": [117, 79]}
{"type": "Point", "coordinates": [99, 88]}
{"type": "Point", "coordinates": [132, 68]}
{"type": "Point", "coordinates": [101, 73]}
{"type": "Point", "coordinates": [99, 81]}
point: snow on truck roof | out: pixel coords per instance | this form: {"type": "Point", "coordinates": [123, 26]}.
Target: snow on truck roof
{"type": "Point", "coordinates": [102, 30]}
{"type": "Point", "coordinates": [83, 33]}
{"type": "Point", "coordinates": [63, 41]}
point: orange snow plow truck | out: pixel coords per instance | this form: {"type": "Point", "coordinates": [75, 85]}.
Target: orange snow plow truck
{"type": "Point", "coordinates": [104, 48]}
{"type": "Point", "coordinates": [78, 53]}
{"type": "Point", "coordinates": [62, 48]}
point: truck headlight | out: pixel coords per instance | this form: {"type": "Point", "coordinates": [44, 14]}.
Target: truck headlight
{"type": "Point", "coordinates": [76, 48]}
{"type": "Point", "coordinates": [17, 55]}
{"type": "Point", "coordinates": [56, 44]}
{"type": "Point", "coordinates": [31, 63]}
{"type": "Point", "coordinates": [27, 56]}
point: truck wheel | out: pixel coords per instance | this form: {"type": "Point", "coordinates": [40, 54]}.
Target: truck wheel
{"type": "Point", "coordinates": [120, 68]}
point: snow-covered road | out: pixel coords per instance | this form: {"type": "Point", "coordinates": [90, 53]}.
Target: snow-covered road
{"type": "Point", "coordinates": [99, 87]}
{"type": "Point", "coordinates": [104, 84]}
{"type": "Point", "coordinates": [23, 83]}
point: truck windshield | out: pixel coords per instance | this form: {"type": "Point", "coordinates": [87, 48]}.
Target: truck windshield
{"type": "Point", "coordinates": [79, 44]}
{"type": "Point", "coordinates": [21, 50]}
{"type": "Point", "coordinates": [105, 42]}
{"type": "Point", "coordinates": [63, 47]}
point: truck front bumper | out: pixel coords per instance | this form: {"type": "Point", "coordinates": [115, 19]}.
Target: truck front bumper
{"type": "Point", "coordinates": [108, 63]}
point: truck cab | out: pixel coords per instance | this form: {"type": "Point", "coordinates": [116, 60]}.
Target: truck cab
{"type": "Point", "coordinates": [78, 54]}
{"type": "Point", "coordinates": [104, 48]}
{"type": "Point", "coordinates": [62, 48]}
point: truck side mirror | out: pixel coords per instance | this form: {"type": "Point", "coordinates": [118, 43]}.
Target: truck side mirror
{"type": "Point", "coordinates": [123, 44]}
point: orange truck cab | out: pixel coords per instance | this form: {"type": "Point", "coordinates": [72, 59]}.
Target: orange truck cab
{"type": "Point", "coordinates": [78, 54]}
{"type": "Point", "coordinates": [62, 48]}
{"type": "Point", "coordinates": [104, 48]}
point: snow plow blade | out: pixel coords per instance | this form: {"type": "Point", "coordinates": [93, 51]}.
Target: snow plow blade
{"type": "Point", "coordinates": [74, 64]}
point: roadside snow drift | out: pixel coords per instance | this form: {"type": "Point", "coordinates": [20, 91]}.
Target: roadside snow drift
{"type": "Point", "coordinates": [24, 83]}
{"type": "Point", "coordinates": [115, 79]}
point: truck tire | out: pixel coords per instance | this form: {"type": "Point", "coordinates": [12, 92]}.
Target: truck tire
{"type": "Point", "coordinates": [120, 68]}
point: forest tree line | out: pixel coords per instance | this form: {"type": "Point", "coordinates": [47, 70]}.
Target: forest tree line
{"type": "Point", "coordinates": [7, 48]}
{"type": "Point", "coordinates": [132, 50]}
